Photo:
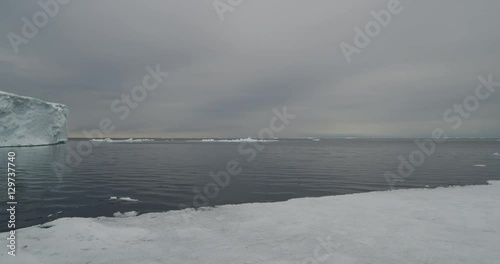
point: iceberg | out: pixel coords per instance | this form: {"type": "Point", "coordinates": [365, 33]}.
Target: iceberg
{"type": "Point", "coordinates": [26, 121]}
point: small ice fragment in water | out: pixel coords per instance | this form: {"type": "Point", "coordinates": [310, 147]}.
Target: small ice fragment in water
{"type": "Point", "coordinates": [128, 199]}
{"type": "Point", "coordinates": [479, 165]}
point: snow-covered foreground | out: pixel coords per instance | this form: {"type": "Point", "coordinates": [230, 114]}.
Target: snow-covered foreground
{"type": "Point", "coordinates": [444, 225]}
{"type": "Point", "coordinates": [26, 121]}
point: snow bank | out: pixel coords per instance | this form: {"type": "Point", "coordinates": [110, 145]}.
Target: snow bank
{"type": "Point", "coordinates": [26, 121]}
{"type": "Point", "coordinates": [443, 225]}
{"type": "Point", "coordinates": [126, 214]}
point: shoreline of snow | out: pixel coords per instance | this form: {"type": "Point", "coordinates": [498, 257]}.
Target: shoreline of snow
{"type": "Point", "coordinates": [30, 146]}
{"type": "Point", "coordinates": [441, 225]}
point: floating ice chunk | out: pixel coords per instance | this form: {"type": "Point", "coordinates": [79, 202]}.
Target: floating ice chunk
{"type": "Point", "coordinates": [496, 154]}
{"type": "Point", "coordinates": [479, 165]}
{"type": "Point", "coordinates": [101, 139]}
{"type": "Point", "coordinates": [26, 121]}
{"type": "Point", "coordinates": [126, 214]}
{"type": "Point", "coordinates": [128, 199]}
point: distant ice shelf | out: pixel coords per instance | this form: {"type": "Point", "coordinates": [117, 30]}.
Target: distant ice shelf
{"type": "Point", "coordinates": [237, 140]}
{"type": "Point", "coordinates": [130, 140]}
{"type": "Point", "coordinates": [27, 121]}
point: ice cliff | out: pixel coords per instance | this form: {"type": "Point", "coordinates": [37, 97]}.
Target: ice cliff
{"type": "Point", "coordinates": [26, 121]}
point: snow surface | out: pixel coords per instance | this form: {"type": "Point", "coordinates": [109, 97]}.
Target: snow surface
{"type": "Point", "coordinates": [26, 121]}
{"type": "Point", "coordinates": [442, 225]}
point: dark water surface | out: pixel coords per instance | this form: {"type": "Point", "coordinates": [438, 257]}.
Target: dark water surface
{"type": "Point", "coordinates": [164, 174]}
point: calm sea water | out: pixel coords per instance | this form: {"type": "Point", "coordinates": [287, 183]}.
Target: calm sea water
{"type": "Point", "coordinates": [161, 175]}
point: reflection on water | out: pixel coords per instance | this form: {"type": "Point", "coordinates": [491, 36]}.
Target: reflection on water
{"type": "Point", "coordinates": [164, 174]}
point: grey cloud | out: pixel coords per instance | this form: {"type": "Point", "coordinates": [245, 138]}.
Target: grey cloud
{"type": "Point", "coordinates": [225, 77]}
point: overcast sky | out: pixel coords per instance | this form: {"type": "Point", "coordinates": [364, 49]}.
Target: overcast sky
{"type": "Point", "coordinates": [227, 76]}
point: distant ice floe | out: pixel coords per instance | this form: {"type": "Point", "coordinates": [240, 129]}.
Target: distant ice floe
{"type": "Point", "coordinates": [238, 140]}
{"type": "Point", "coordinates": [128, 199]}
{"type": "Point", "coordinates": [496, 154]}
{"type": "Point", "coordinates": [479, 165]}
{"type": "Point", "coordinates": [126, 214]}
{"type": "Point", "coordinates": [130, 140]}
